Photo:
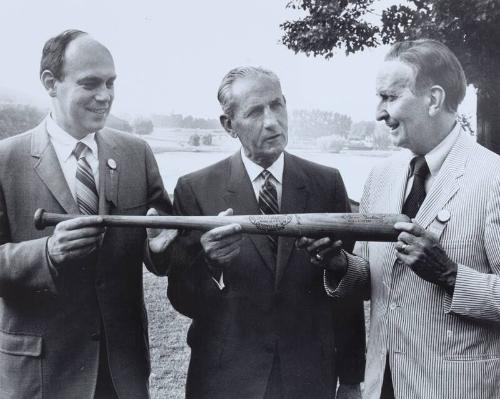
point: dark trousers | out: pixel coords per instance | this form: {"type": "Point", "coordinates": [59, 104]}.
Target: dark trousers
{"type": "Point", "coordinates": [104, 387]}
{"type": "Point", "coordinates": [387, 388]}
{"type": "Point", "coordinates": [274, 388]}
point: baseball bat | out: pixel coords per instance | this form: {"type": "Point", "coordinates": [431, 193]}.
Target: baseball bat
{"type": "Point", "coordinates": [345, 226]}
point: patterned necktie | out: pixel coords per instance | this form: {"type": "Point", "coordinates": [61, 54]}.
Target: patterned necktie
{"type": "Point", "coordinates": [86, 192]}
{"type": "Point", "coordinates": [417, 193]}
{"type": "Point", "coordinates": [268, 202]}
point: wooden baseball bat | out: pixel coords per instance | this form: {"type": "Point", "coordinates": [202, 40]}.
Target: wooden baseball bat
{"type": "Point", "coordinates": [346, 226]}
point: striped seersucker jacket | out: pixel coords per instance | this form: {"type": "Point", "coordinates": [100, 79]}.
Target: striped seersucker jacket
{"type": "Point", "coordinates": [439, 346]}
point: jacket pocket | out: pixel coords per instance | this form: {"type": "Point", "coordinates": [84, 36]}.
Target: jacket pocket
{"type": "Point", "coordinates": [20, 366]}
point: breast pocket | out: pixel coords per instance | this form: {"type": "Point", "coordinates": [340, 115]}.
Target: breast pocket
{"type": "Point", "coordinates": [20, 366]}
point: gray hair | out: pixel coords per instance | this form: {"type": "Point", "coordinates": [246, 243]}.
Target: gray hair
{"type": "Point", "coordinates": [434, 64]}
{"type": "Point", "coordinates": [224, 92]}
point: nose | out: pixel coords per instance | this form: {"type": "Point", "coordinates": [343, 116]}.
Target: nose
{"type": "Point", "coordinates": [104, 94]}
{"type": "Point", "coordinates": [270, 120]}
{"type": "Point", "coordinates": [381, 113]}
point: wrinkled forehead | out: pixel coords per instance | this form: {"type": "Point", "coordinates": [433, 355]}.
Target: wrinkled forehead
{"type": "Point", "coordinates": [395, 75]}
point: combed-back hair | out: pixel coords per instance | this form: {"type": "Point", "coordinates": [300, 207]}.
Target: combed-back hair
{"type": "Point", "coordinates": [224, 92]}
{"type": "Point", "coordinates": [433, 64]}
{"type": "Point", "coordinates": [54, 49]}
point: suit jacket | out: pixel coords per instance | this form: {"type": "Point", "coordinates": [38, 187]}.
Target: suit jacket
{"type": "Point", "coordinates": [50, 322]}
{"type": "Point", "coordinates": [439, 345]}
{"type": "Point", "coordinates": [264, 308]}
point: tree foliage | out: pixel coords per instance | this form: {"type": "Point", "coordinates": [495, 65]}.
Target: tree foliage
{"type": "Point", "coordinates": [17, 118]}
{"type": "Point", "coordinates": [317, 123]}
{"type": "Point", "coordinates": [143, 126]}
{"type": "Point", "coordinates": [471, 29]}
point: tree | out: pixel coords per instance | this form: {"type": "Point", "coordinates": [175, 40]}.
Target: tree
{"type": "Point", "coordinates": [471, 29]}
{"type": "Point", "coordinates": [317, 123]}
{"type": "Point", "coordinates": [143, 126]}
{"type": "Point", "coordinates": [17, 118]}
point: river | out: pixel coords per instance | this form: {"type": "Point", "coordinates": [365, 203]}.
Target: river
{"type": "Point", "coordinates": [354, 165]}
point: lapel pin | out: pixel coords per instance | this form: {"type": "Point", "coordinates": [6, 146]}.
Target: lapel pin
{"type": "Point", "coordinates": [443, 215]}
{"type": "Point", "coordinates": [112, 163]}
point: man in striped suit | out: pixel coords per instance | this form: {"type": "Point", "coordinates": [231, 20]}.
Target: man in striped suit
{"type": "Point", "coordinates": [435, 293]}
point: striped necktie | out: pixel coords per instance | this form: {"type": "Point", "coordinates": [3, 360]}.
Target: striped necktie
{"type": "Point", "coordinates": [268, 202]}
{"type": "Point", "coordinates": [417, 193]}
{"type": "Point", "coordinates": [86, 192]}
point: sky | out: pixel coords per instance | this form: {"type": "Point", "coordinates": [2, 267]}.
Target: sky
{"type": "Point", "coordinates": [170, 56]}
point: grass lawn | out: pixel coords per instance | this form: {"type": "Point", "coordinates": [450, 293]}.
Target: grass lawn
{"type": "Point", "coordinates": [167, 338]}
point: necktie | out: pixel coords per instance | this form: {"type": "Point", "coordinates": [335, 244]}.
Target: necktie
{"type": "Point", "coordinates": [268, 202]}
{"type": "Point", "coordinates": [417, 193]}
{"type": "Point", "coordinates": [86, 192]}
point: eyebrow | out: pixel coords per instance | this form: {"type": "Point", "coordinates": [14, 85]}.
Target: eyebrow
{"type": "Point", "coordinates": [95, 79]}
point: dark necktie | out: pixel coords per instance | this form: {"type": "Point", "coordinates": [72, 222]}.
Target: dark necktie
{"type": "Point", "coordinates": [417, 193]}
{"type": "Point", "coordinates": [86, 192]}
{"type": "Point", "coordinates": [268, 202]}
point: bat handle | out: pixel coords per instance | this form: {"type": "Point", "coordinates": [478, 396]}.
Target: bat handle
{"type": "Point", "coordinates": [39, 219]}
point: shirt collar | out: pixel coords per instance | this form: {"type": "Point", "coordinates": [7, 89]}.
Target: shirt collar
{"type": "Point", "coordinates": [435, 158]}
{"type": "Point", "coordinates": [255, 170]}
{"type": "Point", "coordinates": [65, 141]}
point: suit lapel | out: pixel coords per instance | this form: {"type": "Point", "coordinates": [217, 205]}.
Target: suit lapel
{"type": "Point", "coordinates": [109, 170]}
{"type": "Point", "coordinates": [293, 200]}
{"type": "Point", "coordinates": [241, 197]}
{"type": "Point", "coordinates": [393, 202]}
{"type": "Point", "coordinates": [447, 181]}
{"type": "Point", "coordinates": [49, 170]}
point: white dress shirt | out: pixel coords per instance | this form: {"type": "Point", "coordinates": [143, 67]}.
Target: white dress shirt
{"type": "Point", "coordinates": [64, 144]}
{"type": "Point", "coordinates": [435, 159]}
{"type": "Point", "coordinates": [254, 173]}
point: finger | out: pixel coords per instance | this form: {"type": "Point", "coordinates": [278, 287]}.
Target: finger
{"type": "Point", "coordinates": [81, 243]}
{"type": "Point", "coordinates": [80, 222]}
{"type": "Point", "coordinates": [227, 212]}
{"type": "Point", "coordinates": [318, 245]}
{"type": "Point", "coordinates": [221, 252]}
{"type": "Point", "coordinates": [72, 235]}
{"type": "Point", "coordinates": [303, 242]}
{"type": "Point", "coordinates": [152, 212]}
{"type": "Point", "coordinates": [229, 256]}
{"type": "Point", "coordinates": [221, 232]}
{"type": "Point", "coordinates": [333, 249]}
{"type": "Point", "coordinates": [407, 238]}
{"type": "Point", "coordinates": [412, 228]}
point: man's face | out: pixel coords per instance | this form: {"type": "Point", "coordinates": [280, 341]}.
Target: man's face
{"type": "Point", "coordinates": [260, 118]}
{"type": "Point", "coordinates": [405, 113]}
{"type": "Point", "coordinates": [84, 95]}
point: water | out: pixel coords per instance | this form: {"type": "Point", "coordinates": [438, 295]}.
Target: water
{"type": "Point", "coordinates": [354, 166]}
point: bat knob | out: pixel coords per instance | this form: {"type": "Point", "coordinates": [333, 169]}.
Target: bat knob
{"type": "Point", "coordinates": [39, 219]}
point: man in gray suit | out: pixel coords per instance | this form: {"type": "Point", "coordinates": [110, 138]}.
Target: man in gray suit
{"type": "Point", "coordinates": [72, 317]}
{"type": "Point", "coordinates": [435, 293]}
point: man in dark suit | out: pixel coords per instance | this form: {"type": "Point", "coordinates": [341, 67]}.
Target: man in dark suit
{"type": "Point", "coordinates": [263, 326]}
{"type": "Point", "coordinates": [72, 317]}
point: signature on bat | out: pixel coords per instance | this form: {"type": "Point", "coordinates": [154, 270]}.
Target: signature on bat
{"type": "Point", "coordinates": [270, 223]}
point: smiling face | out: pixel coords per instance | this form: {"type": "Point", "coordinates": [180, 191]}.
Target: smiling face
{"type": "Point", "coordinates": [84, 95]}
{"type": "Point", "coordinates": [260, 118]}
{"type": "Point", "coordinates": [404, 112]}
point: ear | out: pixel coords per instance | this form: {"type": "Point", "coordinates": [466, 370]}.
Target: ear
{"type": "Point", "coordinates": [49, 82]}
{"type": "Point", "coordinates": [227, 124]}
{"type": "Point", "coordinates": [436, 100]}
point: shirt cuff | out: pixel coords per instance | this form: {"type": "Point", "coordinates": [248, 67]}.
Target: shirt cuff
{"type": "Point", "coordinates": [220, 282]}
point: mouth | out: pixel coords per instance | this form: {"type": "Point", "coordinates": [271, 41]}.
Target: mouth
{"type": "Point", "coordinates": [98, 111]}
{"type": "Point", "coordinates": [393, 125]}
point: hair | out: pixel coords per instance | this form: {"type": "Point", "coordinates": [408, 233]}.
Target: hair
{"type": "Point", "coordinates": [433, 64]}
{"type": "Point", "coordinates": [224, 92]}
{"type": "Point", "coordinates": [54, 50]}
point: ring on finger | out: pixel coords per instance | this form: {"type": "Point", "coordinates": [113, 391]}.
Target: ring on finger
{"type": "Point", "coordinates": [403, 247]}
{"type": "Point", "coordinates": [318, 257]}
